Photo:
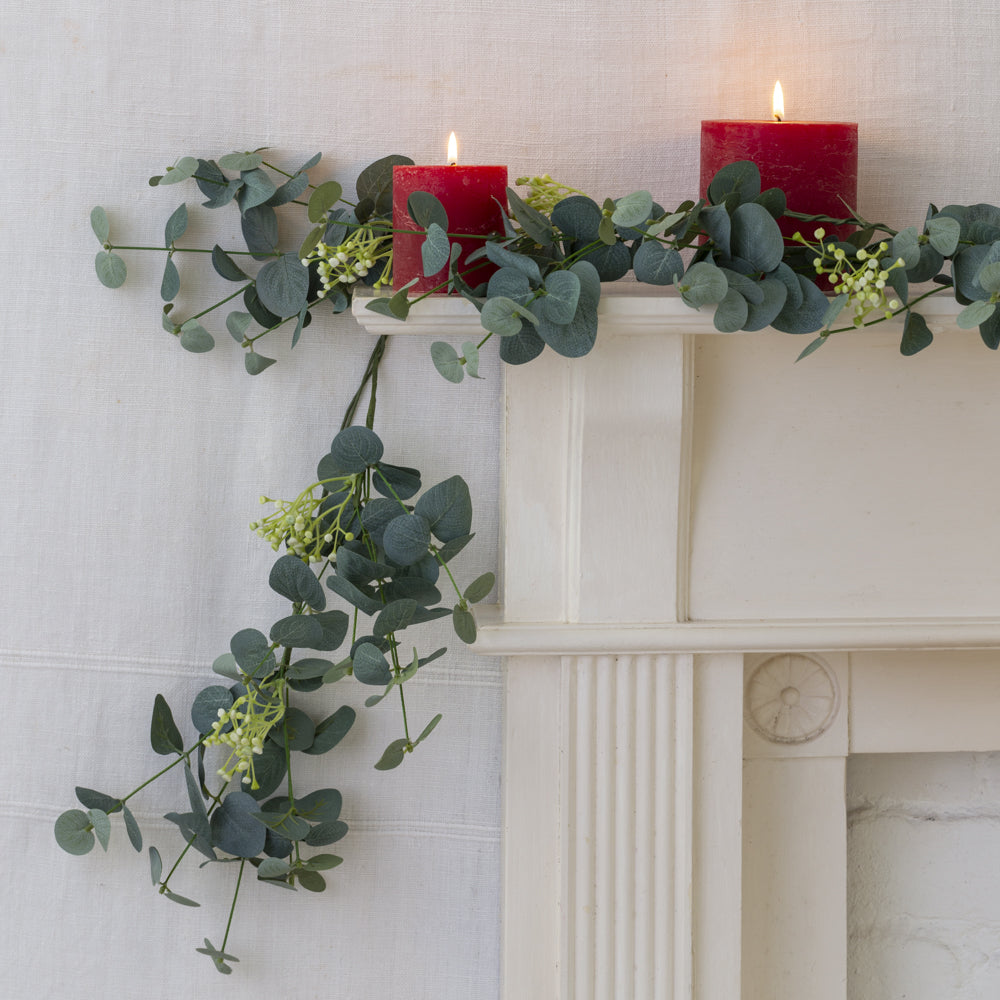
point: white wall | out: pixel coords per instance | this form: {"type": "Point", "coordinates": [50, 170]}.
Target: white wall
{"type": "Point", "coordinates": [132, 467]}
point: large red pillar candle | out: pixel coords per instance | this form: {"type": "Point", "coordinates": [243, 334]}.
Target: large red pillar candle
{"type": "Point", "coordinates": [474, 198]}
{"type": "Point", "coordinates": [814, 163]}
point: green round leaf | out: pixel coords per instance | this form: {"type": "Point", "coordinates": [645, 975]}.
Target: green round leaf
{"type": "Point", "coordinates": [283, 285]}
{"type": "Point", "coordinates": [207, 704]}
{"type": "Point", "coordinates": [111, 270]}
{"type": "Point", "coordinates": [73, 832]}
{"type": "Point", "coordinates": [559, 303]}
{"type": "Point", "coordinates": [355, 448]}
{"type": "Point", "coordinates": [322, 200]}
{"type": "Point", "coordinates": [293, 579]}
{"type": "Point", "coordinates": [916, 334]}
{"type": "Point", "coordinates": [447, 362]}
{"type": "Point", "coordinates": [195, 338]}
{"type": "Point", "coordinates": [756, 237]}
{"type": "Point", "coordinates": [176, 225]}
{"type": "Point", "coordinates": [446, 508]}
{"type": "Point", "coordinates": [234, 828]}
{"type": "Point", "coordinates": [656, 264]}
{"type": "Point", "coordinates": [370, 665]}
{"type": "Point", "coordinates": [464, 624]}
{"type": "Point", "coordinates": [407, 538]}
{"type": "Point", "coordinates": [479, 588]}
{"type": "Point", "coordinates": [164, 736]}
{"type": "Point", "coordinates": [435, 251]}
{"type": "Point", "coordinates": [296, 729]}
{"type": "Point", "coordinates": [633, 209]}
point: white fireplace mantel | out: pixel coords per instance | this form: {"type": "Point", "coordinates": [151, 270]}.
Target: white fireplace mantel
{"type": "Point", "coordinates": [723, 572]}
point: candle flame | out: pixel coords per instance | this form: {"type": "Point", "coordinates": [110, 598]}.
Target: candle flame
{"type": "Point", "coordinates": [452, 150]}
{"type": "Point", "coordinates": [778, 102]}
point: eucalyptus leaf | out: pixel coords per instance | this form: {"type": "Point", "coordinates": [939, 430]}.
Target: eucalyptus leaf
{"type": "Point", "coordinates": [240, 161]}
{"type": "Point", "coordinates": [428, 729]}
{"type": "Point", "coordinates": [612, 262]}
{"type": "Point", "coordinates": [447, 361]}
{"type": "Point", "coordinates": [523, 347]}
{"type": "Point", "coordinates": [562, 294]}
{"type": "Point", "coordinates": [406, 538]}
{"type": "Point", "coordinates": [74, 832]}
{"type": "Point", "coordinates": [176, 225]}
{"type": "Point", "coordinates": [332, 730]}
{"type": "Point", "coordinates": [394, 616]}
{"type": "Point", "coordinates": [176, 897]}
{"type": "Point", "coordinates": [741, 179]}
{"type": "Point", "coordinates": [905, 244]}
{"type": "Point", "coordinates": [633, 209]}
{"type": "Point", "coordinates": [132, 829]}
{"type": "Point", "coordinates": [447, 509]}
{"type": "Point", "coordinates": [375, 182]}
{"type": "Point", "coordinates": [392, 756]}
{"type": "Point", "coordinates": [426, 210]}
{"type": "Point", "coordinates": [503, 257]}
{"type": "Point", "coordinates": [96, 800]}
{"type": "Point", "coordinates": [364, 601]}
{"type": "Point", "coordinates": [291, 578]}
{"type": "Point", "coordinates": [308, 668]}
{"type": "Point", "coordinates": [808, 317]}
{"type": "Point", "coordinates": [171, 283]}
{"type": "Point", "coordinates": [226, 666]}
{"type": "Point", "coordinates": [756, 237]}
{"type": "Point", "coordinates": [225, 266]}
{"type": "Point", "coordinates": [207, 704]}
{"type": "Point", "coordinates": [180, 171]}
{"type": "Point", "coordinates": [944, 234]}
{"type": "Point", "coordinates": [578, 218]}
{"type": "Point", "coordinates": [253, 652]}
{"type": "Point", "coordinates": [296, 730]}
{"type": "Point", "coordinates": [260, 230]}
{"type": "Point", "coordinates": [731, 312]}
{"type": "Point", "coordinates": [111, 269]}
{"type": "Point", "coordinates": [297, 631]}
{"type": "Point", "coordinates": [656, 264]}
{"type": "Point", "coordinates": [916, 334]}
{"type": "Point", "coordinates": [235, 828]}
{"type": "Point", "coordinates": [155, 865]}
{"type": "Point", "coordinates": [435, 251]}
{"type": "Point", "coordinates": [237, 323]}
{"type": "Point", "coordinates": [164, 736]}
{"type": "Point", "coordinates": [322, 806]}
{"type": "Point", "coordinates": [195, 338]}
{"type": "Point", "coordinates": [511, 283]}
{"type": "Point", "coordinates": [470, 351]}
{"type": "Point", "coordinates": [323, 199]}
{"type": "Point", "coordinates": [283, 285]}
{"type": "Point", "coordinates": [99, 223]}
{"type": "Point", "coordinates": [356, 448]}
{"type": "Point", "coordinates": [370, 666]}
{"type": "Point", "coordinates": [533, 222]}
{"type": "Point", "coordinates": [974, 314]}
{"type": "Point", "coordinates": [464, 624]}
{"type": "Point", "coordinates": [718, 225]}
{"type": "Point", "coordinates": [703, 284]}
{"type": "Point", "coordinates": [479, 588]}
{"type": "Point", "coordinates": [289, 191]}
{"type": "Point", "coordinates": [503, 316]}
{"type": "Point", "coordinates": [774, 298]}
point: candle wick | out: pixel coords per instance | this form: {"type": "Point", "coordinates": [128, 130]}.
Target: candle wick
{"type": "Point", "coordinates": [777, 118]}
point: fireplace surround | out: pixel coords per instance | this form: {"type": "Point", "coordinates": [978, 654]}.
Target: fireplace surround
{"type": "Point", "coordinates": [749, 569]}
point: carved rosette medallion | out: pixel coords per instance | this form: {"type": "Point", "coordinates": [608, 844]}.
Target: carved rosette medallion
{"type": "Point", "coordinates": [791, 698]}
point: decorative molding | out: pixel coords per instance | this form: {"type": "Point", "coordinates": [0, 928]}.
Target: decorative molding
{"type": "Point", "coordinates": [627, 839]}
{"type": "Point", "coordinates": [498, 637]}
{"type": "Point", "coordinates": [791, 698]}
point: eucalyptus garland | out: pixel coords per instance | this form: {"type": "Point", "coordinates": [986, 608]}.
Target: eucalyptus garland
{"type": "Point", "coordinates": [365, 529]}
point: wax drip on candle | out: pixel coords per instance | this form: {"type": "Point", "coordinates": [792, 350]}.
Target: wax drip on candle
{"type": "Point", "coordinates": [778, 102]}
{"type": "Point", "coordinates": [452, 150]}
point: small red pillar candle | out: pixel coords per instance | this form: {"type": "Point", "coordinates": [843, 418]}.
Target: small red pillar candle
{"type": "Point", "coordinates": [814, 163]}
{"type": "Point", "coordinates": [474, 198]}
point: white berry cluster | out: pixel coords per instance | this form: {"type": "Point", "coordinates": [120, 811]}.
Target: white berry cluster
{"type": "Point", "coordinates": [243, 728]}
{"type": "Point", "coordinates": [351, 260]}
{"type": "Point", "coordinates": [306, 524]}
{"type": "Point", "coordinates": [863, 277]}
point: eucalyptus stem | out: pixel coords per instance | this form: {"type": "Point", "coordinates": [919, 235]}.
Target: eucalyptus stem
{"type": "Point", "coordinates": [232, 908]}
{"type": "Point", "coordinates": [185, 755]}
{"type": "Point", "coordinates": [221, 302]}
{"type": "Point", "coordinates": [370, 375]}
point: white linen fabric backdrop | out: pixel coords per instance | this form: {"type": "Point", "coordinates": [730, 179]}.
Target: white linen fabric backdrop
{"type": "Point", "coordinates": [132, 467]}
